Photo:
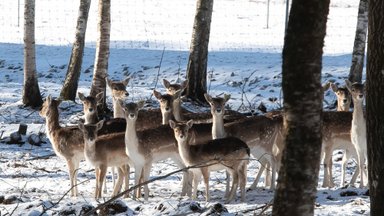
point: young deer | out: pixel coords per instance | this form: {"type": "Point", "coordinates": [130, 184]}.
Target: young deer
{"type": "Point", "coordinates": [149, 146]}
{"type": "Point", "coordinates": [166, 105]}
{"type": "Point", "coordinates": [103, 152]}
{"type": "Point", "coordinates": [260, 142]}
{"type": "Point", "coordinates": [358, 129]}
{"type": "Point", "coordinates": [336, 134]}
{"type": "Point", "coordinates": [67, 142]}
{"type": "Point", "coordinates": [343, 97]}
{"type": "Point", "coordinates": [229, 153]}
{"type": "Point", "coordinates": [109, 126]}
{"type": "Point", "coordinates": [176, 89]}
{"type": "Point", "coordinates": [119, 92]}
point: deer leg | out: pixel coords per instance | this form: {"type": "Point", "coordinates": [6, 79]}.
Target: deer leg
{"type": "Point", "coordinates": [138, 171]}
{"type": "Point", "coordinates": [243, 180]}
{"type": "Point", "coordinates": [146, 172]}
{"type": "Point", "coordinates": [205, 173]}
{"type": "Point", "coordinates": [126, 179]}
{"type": "Point", "coordinates": [196, 180]}
{"type": "Point", "coordinates": [227, 184]}
{"type": "Point", "coordinates": [102, 172]}
{"type": "Point", "coordinates": [256, 181]}
{"type": "Point", "coordinates": [72, 167]}
{"type": "Point", "coordinates": [235, 185]}
{"type": "Point", "coordinates": [120, 178]}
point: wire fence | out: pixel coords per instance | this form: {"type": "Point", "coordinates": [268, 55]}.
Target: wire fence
{"type": "Point", "coordinates": [248, 25]}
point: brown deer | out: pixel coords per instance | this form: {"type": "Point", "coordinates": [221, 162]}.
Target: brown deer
{"type": "Point", "coordinates": [103, 152]}
{"type": "Point", "coordinates": [167, 107]}
{"type": "Point", "coordinates": [229, 153]}
{"type": "Point", "coordinates": [343, 97]}
{"type": "Point", "coordinates": [173, 89]}
{"type": "Point", "coordinates": [119, 92]}
{"type": "Point", "coordinates": [146, 147]}
{"type": "Point", "coordinates": [358, 128]}
{"type": "Point", "coordinates": [67, 142]}
{"type": "Point", "coordinates": [260, 138]}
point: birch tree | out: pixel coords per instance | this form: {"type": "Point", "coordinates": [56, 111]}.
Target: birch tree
{"type": "Point", "coordinates": [298, 175]}
{"type": "Point", "coordinates": [100, 71]}
{"type": "Point", "coordinates": [375, 106]}
{"type": "Point", "coordinates": [358, 55]}
{"type": "Point", "coordinates": [198, 53]}
{"type": "Point", "coordinates": [31, 91]}
{"type": "Point", "coordinates": [68, 92]}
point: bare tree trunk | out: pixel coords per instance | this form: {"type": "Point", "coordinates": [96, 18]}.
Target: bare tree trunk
{"type": "Point", "coordinates": [375, 106]}
{"type": "Point", "coordinates": [100, 71]}
{"type": "Point", "coordinates": [68, 92]}
{"type": "Point", "coordinates": [298, 176]}
{"type": "Point", "coordinates": [358, 54]}
{"type": "Point", "coordinates": [31, 91]}
{"type": "Point", "coordinates": [198, 54]}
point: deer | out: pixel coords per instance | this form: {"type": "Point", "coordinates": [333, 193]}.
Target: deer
{"type": "Point", "coordinates": [109, 126]}
{"type": "Point", "coordinates": [260, 141]}
{"type": "Point", "coordinates": [343, 96]}
{"type": "Point", "coordinates": [67, 142]}
{"type": "Point", "coordinates": [176, 90]}
{"type": "Point", "coordinates": [167, 106]}
{"type": "Point", "coordinates": [148, 146]}
{"type": "Point", "coordinates": [119, 92]}
{"type": "Point", "coordinates": [230, 153]}
{"type": "Point", "coordinates": [103, 152]}
{"type": "Point", "coordinates": [358, 128]}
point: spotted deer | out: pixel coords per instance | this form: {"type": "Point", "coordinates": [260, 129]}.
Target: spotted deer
{"type": "Point", "coordinates": [358, 128]}
{"type": "Point", "coordinates": [343, 97]}
{"type": "Point", "coordinates": [166, 102]}
{"type": "Point", "coordinates": [119, 92]}
{"type": "Point", "coordinates": [176, 89]}
{"type": "Point", "coordinates": [258, 132]}
{"type": "Point", "coordinates": [110, 126]}
{"type": "Point", "coordinates": [103, 152]}
{"type": "Point", "coordinates": [228, 153]}
{"type": "Point", "coordinates": [149, 146]}
{"type": "Point", "coordinates": [67, 142]}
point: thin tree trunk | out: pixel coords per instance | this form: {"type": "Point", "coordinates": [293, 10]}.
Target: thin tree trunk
{"type": "Point", "coordinates": [31, 91]}
{"type": "Point", "coordinates": [198, 54]}
{"type": "Point", "coordinates": [298, 176]}
{"type": "Point", "coordinates": [100, 71]}
{"type": "Point", "coordinates": [68, 92]}
{"type": "Point", "coordinates": [375, 106]}
{"type": "Point", "coordinates": [358, 54]}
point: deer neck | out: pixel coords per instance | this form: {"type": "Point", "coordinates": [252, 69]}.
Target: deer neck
{"type": "Point", "coordinates": [184, 150]}
{"type": "Point", "coordinates": [218, 130]}
{"type": "Point", "coordinates": [166, 116]}
{"type": "Point", "coordinates": [358, 115]}
{"type": "Point", "coordinates": [176, 107]}
{"type": "Point", "coordinates": [52, 124]}
{"type": "Point", "coordinates": [131, 140]}
{"type": "Point", "coordinates": [117, 109]}
{"type": "Point", "coordinates": [90, 150]}
{"type": "Point", "coordinates": [91, 119]}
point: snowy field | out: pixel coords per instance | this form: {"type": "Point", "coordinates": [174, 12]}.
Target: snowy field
{"type": "Point", "coordinates": [244, 61]}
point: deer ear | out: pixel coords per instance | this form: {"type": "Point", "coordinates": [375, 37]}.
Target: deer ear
{"type": "Point", "coordinates": [190, 123]}
{"type": "Point", "coordinates": [81, 96]}
{"type": "Point", "coordinates": [99, 124]}
{"type": "Point", "coordinates": [184, 84]}
{"type": "Point", "coordinates": [108, 81]}
{"type": "Point", "coordinates": [49, 99]}
{"type": "Point", "coordinates": [81, 126]}
{"type": "Point", "coordinates": [99, 97]}
{"type": "Point", "coordinates": [156, 94]}
{"type": "Point", "coordinates": [172, 124]}
{"type": "Point", "coordinates": [348, 84]}
{"type": "Point", "coordinates": [334, 87]}
{"type": "Point", "coordinates": [208, 97]}
{"type": "Point", "coordinates": [227, 97]}
{"type": "Point", "coordinates": [166, 83]}
{"type": "Point", "coordinates": [140, 104]}
{"type": "Point", "coordinates": [177, 94]}
{"type": "Point", "coordinates": [126, 81]}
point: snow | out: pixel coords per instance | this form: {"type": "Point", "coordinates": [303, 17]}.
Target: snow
{"type": "Point", "coordinates": [244, 61]}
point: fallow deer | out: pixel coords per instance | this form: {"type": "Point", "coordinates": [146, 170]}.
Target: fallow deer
{"type": "Point", "coordinates": [146, 147]}
{"type": "Point", "coordinates": [103, 152]}
{"type": "Point", "coordinates": [260, 140]}
{"type": "Point", "coordinates": [229, 153]}
{"type": "Point", "coordinates": [172, 89]}
{"type": "Point", "coordinates": [67, 142]}
{"type": "Point", "coordinates": [119, 92]}
{"type": "Point", "coordinates": [166, 102]}
{"type": "Point", "coordinates": [358, 128]}
{"type": "Point", "coordinates": [343, 97]}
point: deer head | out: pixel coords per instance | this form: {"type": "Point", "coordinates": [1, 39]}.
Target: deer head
{"type": "Point", "coordinates": [118, 88]}
{"type": "Point", "coordinates": [217, 104]}
{"type": "Point", "coordinates": [90, 130]}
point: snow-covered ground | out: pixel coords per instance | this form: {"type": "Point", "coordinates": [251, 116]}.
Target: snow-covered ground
{"type": "Point", "coordinates": [243, 63]}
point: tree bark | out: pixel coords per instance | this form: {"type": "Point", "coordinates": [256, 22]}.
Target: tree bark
{"type": "Point", "coordinates": [198, 54]}
{"type": "Point", "coordinates": [302, 63]}
{"type": "Point", "coordinates": [68, 92]}
{"type": "Point", "coordinates": [358, 55]}
{"type": "Point", "coordinates": [100, 71]}
{"type": "Point", "coordinates": [31, 91]}
{"type": "Point", "coordinates": [375, 106]}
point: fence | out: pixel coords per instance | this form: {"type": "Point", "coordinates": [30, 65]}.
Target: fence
{"type": "Point", "coordinates": [249, 25]}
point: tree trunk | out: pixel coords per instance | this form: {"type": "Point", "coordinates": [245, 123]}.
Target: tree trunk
{"type": "Point", "coordinates": [298, 176]}
{"type": "Point", "coordinates": [358, 54]}
{"type": "Point", "coordinates": [100, 71]}
{"type": "Point", "coordinates": [375, 106]}
{"type": "Point", "coordinates": [198, 54]}
{"type": "Point", "coordinates": [68, 92]}
{"type": "Point", "coordinates": [31, 91]}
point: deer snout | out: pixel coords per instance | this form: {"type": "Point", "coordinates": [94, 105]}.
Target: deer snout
{"type": "Point", "coordinates": [345, 100]}
{"type": "Point", "coordinates": [131, 115]}
{"type": "Point", "coordinates": [361, 96]}
{"type": "Point", "coordinates": [90, 109]}
{"type": "Point", "coordinates": [218, 110]}
{"type": "Point", "coordinates": [126, 94]}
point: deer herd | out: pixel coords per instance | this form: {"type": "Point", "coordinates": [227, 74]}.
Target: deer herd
{"type": "Point", "coordinates": [222, 140]}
